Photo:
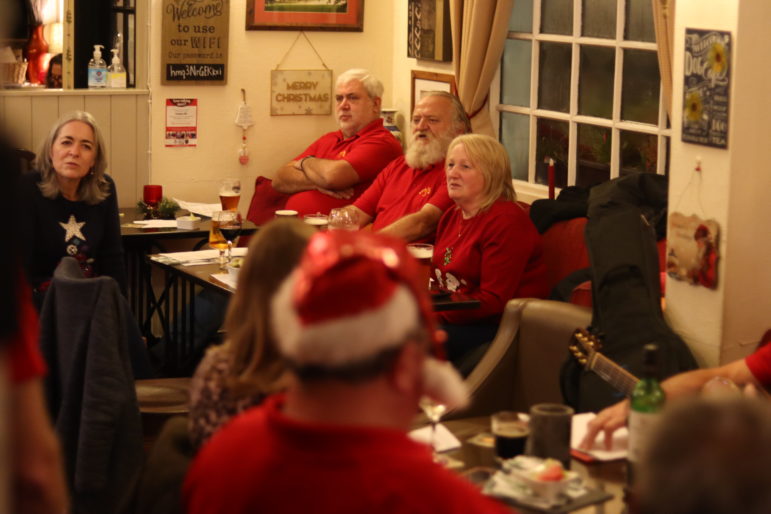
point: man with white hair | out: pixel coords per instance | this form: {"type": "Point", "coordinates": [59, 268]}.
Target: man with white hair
{"type": "Point", "coordinates": [409, 196]}
{"type": "Point", "coordinates": [339, 166]}
{"type": "Point", "coordinates": [356, 328]}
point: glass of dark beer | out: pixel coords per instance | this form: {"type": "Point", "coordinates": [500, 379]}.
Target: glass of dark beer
{"type": "Point", "coordinates": [511, 431]}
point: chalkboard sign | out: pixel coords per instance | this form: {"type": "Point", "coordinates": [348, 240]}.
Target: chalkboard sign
{"type": "Point", "coordinates": [194, 42]}
{"type": "Point", "coordinates": [707, 71]}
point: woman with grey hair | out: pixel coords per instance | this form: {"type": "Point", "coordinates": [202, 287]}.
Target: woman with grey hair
{"type": "Point", "coordinates": [70, 207]}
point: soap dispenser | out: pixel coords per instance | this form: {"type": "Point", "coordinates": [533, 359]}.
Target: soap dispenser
{"type": "Point", "coordinates": [116, 73]}
{"type": "Point", "coordinates": [97, 70]}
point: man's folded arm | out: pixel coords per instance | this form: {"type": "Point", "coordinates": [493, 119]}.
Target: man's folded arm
{"type": "Point", "coordinates": [309, 173]}
{"type": "Point", "coordinates": [416, 225]}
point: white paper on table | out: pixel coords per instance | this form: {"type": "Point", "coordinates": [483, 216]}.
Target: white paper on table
{"type": "Point", "coordinates": [157, 223]}
{"type": "Point", "coordinates": [618, 449]}
{"type": "Point", "coordinates": [225, 278]}
{"type": "Point", "coordinates": [200, 255]}
{"type": "Point", "coordinates": [204, 209]}
{"type": "Point", "coordinates": [443, 439]}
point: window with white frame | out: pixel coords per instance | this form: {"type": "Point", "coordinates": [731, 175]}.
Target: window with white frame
{"type": "Point", "coordinates": [580, 85]}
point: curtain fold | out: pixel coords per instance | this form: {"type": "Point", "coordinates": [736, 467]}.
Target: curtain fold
{"type": "Point", "coordinates": [479, 29]}
{"type": "Point", "coordinates": [664, 23]}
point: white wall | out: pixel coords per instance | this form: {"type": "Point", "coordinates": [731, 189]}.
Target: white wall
{"type": "Point", "coordinates": [724, 324]}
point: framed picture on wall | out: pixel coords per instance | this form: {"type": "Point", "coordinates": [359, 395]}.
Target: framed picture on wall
{"type": "Point", "coordinates": [341, 15]}
{"type": "Point", "coordinates": [429, 35]}
{"type": "Point", "coordinates": [425, 81]}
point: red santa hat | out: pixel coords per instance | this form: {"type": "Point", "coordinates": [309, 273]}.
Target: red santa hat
{"type": "Point", "coordinates": [353, 295]}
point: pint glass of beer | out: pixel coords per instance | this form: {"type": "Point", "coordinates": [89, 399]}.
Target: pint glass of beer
{"type": "Point", "coordinates": [230, 194]}
{"type": "Point", "coordinates": [423, 253]}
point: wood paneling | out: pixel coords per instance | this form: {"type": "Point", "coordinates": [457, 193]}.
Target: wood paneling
{"type": "Point", "coordinates": [123, 118]}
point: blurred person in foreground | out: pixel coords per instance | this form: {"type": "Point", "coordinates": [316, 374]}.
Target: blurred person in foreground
{"type": "Point", "coordinates": [708, 456]}
{"type": "Point", "coordinates": [752, 373]}
{"type": "Point", "coordinates": [244, 370]}
{"type": "Point", "coordinates": [35, 462]}
{"type": "Point", "coordinates": [486, 246]}
{"type": "Point", "coordinates": [340, 165]}
{"type": "Point", "coordinates": [409, 196]}
{"type": "Point", "coordinates": [69, 206]}
{"type": "Point", "coordinates": [355, 325]}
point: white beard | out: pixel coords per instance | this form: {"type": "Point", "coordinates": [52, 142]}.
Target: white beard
{"type": "Point", "coordinates": [422, 155]}
{"type": "Point", "coordinates": [443, 384]}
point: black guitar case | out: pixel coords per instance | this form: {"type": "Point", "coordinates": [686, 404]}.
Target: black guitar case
{"type": "Point", "coordinates": [626, 294]}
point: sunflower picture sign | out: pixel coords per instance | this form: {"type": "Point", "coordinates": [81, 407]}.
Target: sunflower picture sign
{"type": "Point", "coordinates": [706, 93]}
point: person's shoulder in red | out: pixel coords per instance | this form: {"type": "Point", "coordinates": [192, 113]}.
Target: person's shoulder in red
{"type": "Point", "coordinates": [24, 353]}
{"type": "Point", "coordinates": [759, 362]}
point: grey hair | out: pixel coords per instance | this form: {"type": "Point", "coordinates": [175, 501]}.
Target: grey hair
{"type": "Point", "coordinates": [460, 118]}
{"type": "Point", "coordinates": [371, 83]}
{"type": "Point", "coordinates": [93, 187]}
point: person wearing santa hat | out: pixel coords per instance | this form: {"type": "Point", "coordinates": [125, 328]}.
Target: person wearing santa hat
{"type": "Point", "coordinates": [356, 328]}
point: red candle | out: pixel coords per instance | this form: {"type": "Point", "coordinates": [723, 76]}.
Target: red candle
{"type": "Point", "coordinates": [152, 194]}
{"type": "Point", "coordinates": [550, 175]}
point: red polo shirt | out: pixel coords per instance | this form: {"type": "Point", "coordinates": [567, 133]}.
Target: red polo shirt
{"type": "Point", "coordinates": [368, 151]}
{"type": "Point", "coordinates": [400, 190]}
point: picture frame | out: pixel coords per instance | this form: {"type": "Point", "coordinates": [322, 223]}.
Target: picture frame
{"type": "Point", "coordinates": [429, 33]}
{"type": "Point", "coordinates": [424, 81]}
{"type": "Point", "coordinates": [337, 15]}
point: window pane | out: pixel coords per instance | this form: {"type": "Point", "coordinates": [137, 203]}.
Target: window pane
{"type": "Point", "coordinates": [599, 18]}
{"type": "Point", "coordinates": [557, 16]}
{"type": "Point", "coordinates": [639, 21]}
{"type": "Point", "coordinates": [640, 95]}
{"type": "Point", "coordinates": [554, 77]}
{"type": "Point", "coordinates": [593, 155]}
{"type": "Point", "coordinates": [552, 142]}
{"type": "Point", "coordinates": [515, 136]}
{"type": "Point", "coordinates": [595, 85]}
{"type": "Point", "coordinates": [638, 153]}
{"type": "Point", "coordinates": [515, 75]}
{"type": "Point", "coordinates": [522, 16]}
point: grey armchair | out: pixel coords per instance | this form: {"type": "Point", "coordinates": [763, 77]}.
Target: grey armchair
{"type": "Point", "coordinates": [522, 365]}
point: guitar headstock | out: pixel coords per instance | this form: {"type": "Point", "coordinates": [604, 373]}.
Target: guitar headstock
{"type": "Point", "coordinates": [584, 345]}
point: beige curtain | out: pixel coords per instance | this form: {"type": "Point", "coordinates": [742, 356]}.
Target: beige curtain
{"type": "Point", "coordinates": [479, 29]}
{"type": "Point", "coordinates": [664, 21]}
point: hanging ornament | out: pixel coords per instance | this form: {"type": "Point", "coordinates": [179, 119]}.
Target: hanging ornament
{"type": "Point", "coordinates": [244, 120]}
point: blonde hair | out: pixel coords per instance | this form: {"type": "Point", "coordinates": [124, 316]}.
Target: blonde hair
{"type": "Point", "coordinates": [255, 364]}
{"type": "Point", "coordinates": [490, 157]}
{"type": "Point", "coordinates": [94, 187]}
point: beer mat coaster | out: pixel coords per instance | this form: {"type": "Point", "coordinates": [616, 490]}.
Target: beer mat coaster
{"type": "Point", "coordinates": [484, 439]}
{"type": "Point", "coordinates": [444, 440]}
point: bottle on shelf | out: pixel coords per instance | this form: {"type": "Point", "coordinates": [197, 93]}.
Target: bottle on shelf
{"type": "Point", "coordinates": [646, 403]}
{"type": "Point", "coordinates": [97, 70]}
{"type": "Point", "coordinates": [116, 73]}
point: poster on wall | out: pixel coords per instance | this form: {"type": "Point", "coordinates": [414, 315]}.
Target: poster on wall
{"type": "Point", "coordinates": [428, 30]}
{"type": "Point", "coordinates": [181, 122]}
{"type": "Point", "coordinates": [692, 249]}
{"type": "Point", "coordinates": [300, 92]}
{"type": "Point", "coordinates": [707, 74]}
{"type": "Point", "coordinates": [194, 42]}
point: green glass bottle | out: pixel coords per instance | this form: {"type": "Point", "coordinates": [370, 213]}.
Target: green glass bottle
{"type": "Point", "coordinates": [646, 403]}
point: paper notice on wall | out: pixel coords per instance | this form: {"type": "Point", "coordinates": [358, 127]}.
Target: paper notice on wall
{"type": "Point", "coordinates": [181, 122]}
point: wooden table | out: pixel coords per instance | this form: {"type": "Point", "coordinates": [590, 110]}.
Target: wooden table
{"type": "Point", "coordinates": [606, 479]}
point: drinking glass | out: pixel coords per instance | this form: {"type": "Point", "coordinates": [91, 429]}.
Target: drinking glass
{"type": "Point", "coordinates": [343, 219]}
{"type": "Point", "coordinates": [510, 430]}
{"type": "Point", "coordinates": [230, 194]}
{"type": "Point", "coordinates": [423, 253]}
{"type": "Point", "coordinates": [318, 220]}
{"type": "Point", "coordinates": [434, 412]}
{"type": "Point", "coordinates": [223, 220]}
{"type": "Point", "coordinates": [550, 425]}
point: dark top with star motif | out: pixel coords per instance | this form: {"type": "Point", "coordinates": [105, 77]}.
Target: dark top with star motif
{"type": "Point", "coordinates": [52, 229]}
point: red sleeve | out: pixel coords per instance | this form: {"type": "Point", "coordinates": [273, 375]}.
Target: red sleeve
{"type": "Point", "coordinates": [440, 198]}
{"type": "Point", "coordinates": [24, 354]}
{"type": "Point", "coordinates": [759, 363]}
{"type": "Point", "coordinates": [372, 153]}
{"type": "Point", "coordinates": [369, 199]}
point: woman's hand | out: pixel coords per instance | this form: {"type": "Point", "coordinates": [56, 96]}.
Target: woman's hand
{"type": "Point", "coordinates": [608, 420]}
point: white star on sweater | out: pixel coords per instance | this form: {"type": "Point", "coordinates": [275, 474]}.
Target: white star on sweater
{"type": "Point", "coordinates": [73, 227]}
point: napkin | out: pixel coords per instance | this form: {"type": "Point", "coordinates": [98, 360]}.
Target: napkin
{"type": "Point", "coordinates": [598, 451]}
{"type": "Point", "coordinates": [157, 223]}
{"type": "Point", "coordinates": [204, 209]}
{"type": "Point", "coordinates": [225, 278]}
{"type": "Point", "coordinates": [197, 257]}
{"type": "Point", "coordinates": [443, 440]}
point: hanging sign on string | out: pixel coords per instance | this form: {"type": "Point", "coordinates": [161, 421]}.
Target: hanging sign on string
{"type": "Point", "coordinates": [300, 92]}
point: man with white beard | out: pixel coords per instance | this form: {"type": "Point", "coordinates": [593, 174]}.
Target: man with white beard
{"type": "Point", "coordinates": [409, 196]}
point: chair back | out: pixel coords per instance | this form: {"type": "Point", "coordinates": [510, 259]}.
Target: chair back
{"type": "Point", "coordinates": [90, 388]}
{"type": "Point", "coordinates": [522, 365]}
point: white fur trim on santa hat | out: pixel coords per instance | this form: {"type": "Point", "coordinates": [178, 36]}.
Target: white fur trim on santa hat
{"type": "Point", "coordinates": [443, 384]}
{"type": "Point", "coordinates": [345, 340]}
